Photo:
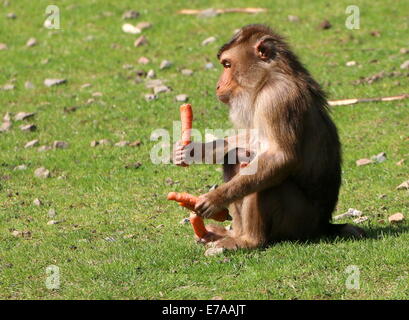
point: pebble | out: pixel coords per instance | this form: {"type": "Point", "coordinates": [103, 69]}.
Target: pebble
{"type": "Point", "coordinates": [37, 202]}
{"type": "Point", "coordinates": [208, 41]}
{"type": "Point", "coordinates": [6, 126]}
{"type": "Point", "coordinates": [42, 173]}
{"type": "Point", "coordinates": [141, 41]}
{"type": "Point", "coordinates": [28, 127]}
{"type": "Point", "coordinates": [31, 143]}
{"type": "Point", "coordinates": [11, 15]}
{"type": "Point", "coordinates": [31, 42]}
{"type": "Point", "coordinates": [143, 60]}
{"type": "Point", "coordinates": [150, 97]}
{"type": "Point", "coordinates": [160, 89]}
{"type": "Point", "coordinates": [165, 64]}
{"type": "Point", "coordinates": [20, 167]}
{"type": "Point", "coordinates": [60, 145]}
{"type": "Point", "coordinates": [405, 65]}
{"type": "Point", "coordinates": [350, 63]}
{"type": "Point", "coordinates": [129, 28]}
{"type": "Point", "coordinates": [186, 72]}
{"type": "Point", "coordinates": [151, 74]}
{"type": "Point", "coordinates": [182, 97]}
{"type": "Point", "coordinates": [54, 82]}
{"type": "Point", "coordinates": [23, 115]}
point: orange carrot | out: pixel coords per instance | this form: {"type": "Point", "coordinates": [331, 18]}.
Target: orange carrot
{"type": "Point", "coordinates": [188, 201]}
{"type": "Point", "coordinates": [198, 225]}
{"type": "Point", "coordinates": [186, 117]}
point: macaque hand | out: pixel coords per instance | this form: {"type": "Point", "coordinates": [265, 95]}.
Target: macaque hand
{"type": "Point", "coordinates": [187, 154]}
{"type": "Point", "coordinates": [206, 207]}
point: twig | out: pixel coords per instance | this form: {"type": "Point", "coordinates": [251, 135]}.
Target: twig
{"type": "Point", "coordinates": [220, 11]}
{"type": "Point", "coordinates": [344, 102]}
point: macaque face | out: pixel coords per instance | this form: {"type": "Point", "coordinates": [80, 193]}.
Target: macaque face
{"type": "Point", "coordinates": [244, 68]}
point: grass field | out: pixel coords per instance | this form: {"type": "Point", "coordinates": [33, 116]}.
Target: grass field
{"type": "Point", "coordinates": [117, 236]}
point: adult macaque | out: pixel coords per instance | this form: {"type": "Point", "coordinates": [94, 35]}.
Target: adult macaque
{"type": "Point", "coordinates": [296, 161]}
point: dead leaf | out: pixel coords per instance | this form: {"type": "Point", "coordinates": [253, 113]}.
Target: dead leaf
{"type": "Point", "coordinates": [403, 186]}
{"type": "Point", "coordinates": [397, 217]}
{"type": "Point", "coordinates": [363, 162]}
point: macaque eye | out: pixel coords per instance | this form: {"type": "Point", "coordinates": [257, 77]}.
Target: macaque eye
{"type": "Point", "coordinates": [226, 64]}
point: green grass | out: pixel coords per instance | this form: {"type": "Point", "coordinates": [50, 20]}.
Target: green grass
{"type": "Point", "coordinates": [99, 198]}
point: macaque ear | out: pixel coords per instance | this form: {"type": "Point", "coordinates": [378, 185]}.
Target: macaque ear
{"type": "Point", "coordinates": [265, 48]}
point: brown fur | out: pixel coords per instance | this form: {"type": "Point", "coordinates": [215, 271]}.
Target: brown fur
{"type": "Point", "coordinates": [298, 170]}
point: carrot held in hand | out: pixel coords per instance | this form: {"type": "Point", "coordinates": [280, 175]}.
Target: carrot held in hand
{"type": "Point", "coordinates": [186, 117]}
{"type": "Point", "coordinates": [188, 201]}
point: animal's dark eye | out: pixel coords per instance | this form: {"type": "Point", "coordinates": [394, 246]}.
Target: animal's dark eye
{"type": "Point", "coordinates": [226, 64]}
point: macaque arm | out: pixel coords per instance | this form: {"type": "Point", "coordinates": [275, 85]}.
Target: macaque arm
{"type": "Point", "coordinates": [266, 170]}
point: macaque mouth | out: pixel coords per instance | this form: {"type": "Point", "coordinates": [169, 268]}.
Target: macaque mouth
{"type": "Point", "coordinates": [224, 98]}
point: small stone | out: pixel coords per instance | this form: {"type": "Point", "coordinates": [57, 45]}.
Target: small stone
{"type": "Point", "coordinates": [51, 222]}
{"type": "Point", "coordinates": [31, 42]}
{"type": "Point", "coordinates": [209, 66]}
{"type": "Point", "coordinates": [94, 143]}
{"type": "Point", "coordinates": [144, 25]}
{"type": "Point", "coordinates": [3, 46]}
{"type": "Point", "coordinates": [44, 148]}
{"type": "Point", "coordinates": [42, 173]}
{"type": "Point", "coordinates": [381, 157]}
{"type": "Point", "coordinates": [31, 143]}
{"type": "Point", "coordinates": [52, 213]}
{"type": "Point", "coordinates": [185, 221]}
{"type": "Point", "coordinates": [182, 97]}
{"type": "Point", "coordinates": [60, 145]}
{"type": "Point", "coordinates": [325, 25]}
{"type": "Point", "coordinates": [122, 143]}
{"type": "Point", "coordinates": [160, 89]}
{"type": "Point", "coordinates": [128, 28]}
{"type": "Point", "coordinates": [143, 60]}
{"type": "Point", "coordinates": [150, 97]}
{"type": "Point", "coordinates": [130, 14]}
{"type": "Point", "coordinates": [403, 186]}
{"type": "Point", "coordinates": [141, 41]}
{"type": "Point", "coordinates": [186, 72]}
{"type": "Point", "coordinates": [54, 82]}
{"type": "Point", "coordinates": [363, 162]}
{"type": "Point", "coordinates": [105, 142]}
{"type": "Point", "coordinates": [6, 126]}
{"type": "Point", "coordinates": [360, 219]}
{"type": "Point", "coordinates": [350, 213]}
{"type": "Point", "coordinates": [405, 65]}
{"type": "Point", "coordinates": [28, 127]}
{"type": "Point", "coordinates": [7, 117]}
{"type": "Point", "coordinates": [165, 64]}
{"type": "Point", "coordinates": [136, 143]}
{"type": "Point", "coordinates": [8, 87]}
{"type": "Point", "coordinates": [37, 202]}
{"type": "Point", "coordinates": [293, 18]}
{"type": "Point", "coordinates": [11, 15]}
{"type": "Point", "coordinates": [400, 162]}
{"type": "Point", "coordinates": [20, 167]}
{"type": "Point", "coordinates": [16, 233]}
{"type": "Point", "coordinates": [151, 74]}
{"type": "Point", "coordinates": [29, 85]}
{"type": "Point", "coordinates": [23, 115]}
{"type": "Point", "coordinates": [397, 217]}
{"type": "Point", "coordinates": [350, 63]}
{"type": "Point", "coordinates": [402, 50]}
{"type": "Point", "coordinates": [208, 41]}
